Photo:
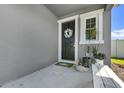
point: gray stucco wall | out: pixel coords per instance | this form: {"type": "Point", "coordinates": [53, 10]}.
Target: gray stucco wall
{"type": "Point", "coordinates": [28, 40]}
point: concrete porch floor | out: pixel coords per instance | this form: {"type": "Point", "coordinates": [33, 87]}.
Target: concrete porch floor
{"type": "Point", "coordinates": [54, 77]}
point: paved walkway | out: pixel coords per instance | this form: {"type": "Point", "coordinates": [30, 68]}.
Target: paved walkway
{"type": "Point", "coordinates": [54, 77]}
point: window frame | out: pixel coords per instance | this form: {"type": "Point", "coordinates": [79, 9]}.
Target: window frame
{"type": "Point", "coordinates": [98, 14]}
{"type": "Point", "coordinates": [94, 16]}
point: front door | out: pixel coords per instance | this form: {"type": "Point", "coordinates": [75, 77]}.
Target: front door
{"type": "Point", "coordinates": [68, 39]}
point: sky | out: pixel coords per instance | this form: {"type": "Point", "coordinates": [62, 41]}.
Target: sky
{"type": "Point", "coordinates": [117, 28]}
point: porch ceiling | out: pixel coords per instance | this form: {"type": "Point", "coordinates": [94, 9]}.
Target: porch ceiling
{"type": "Point", "coordinates": [64, 9]}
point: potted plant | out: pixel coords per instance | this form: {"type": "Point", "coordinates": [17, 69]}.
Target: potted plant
{"type": "Point", "coordinates": [99, 57]}
{"type": "Point", "coordinates": [95, 51]}
{"type": "Point", "coordinates": [80, 67]}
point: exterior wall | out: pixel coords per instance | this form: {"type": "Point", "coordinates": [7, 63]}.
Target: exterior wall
{"type": "Point", "coordinates": [83, 49]}
{"type": "Point", "coordinates": [28, 40]}
{"type": "Point", "coordinates": [107, 36]}
{"type": "Point", "coordinates": [106, 47]}
{"type": "Point", "coordinates": [117, 48]}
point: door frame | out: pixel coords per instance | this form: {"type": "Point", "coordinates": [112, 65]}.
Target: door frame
{"type": "Point", "coordinates": [60, 38]}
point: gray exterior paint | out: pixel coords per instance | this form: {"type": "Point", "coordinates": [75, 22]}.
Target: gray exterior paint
{"type": "Point", "coordinates": [28, 40]}
{"type": "Point", "coordinates": [106, 47]}
{"type": "Point", "coordinates": [107, 36]}
{"type": "Point", "coordinates": [67, 12]}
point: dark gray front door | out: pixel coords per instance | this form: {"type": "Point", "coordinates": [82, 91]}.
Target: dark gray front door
{"type": "Point", "coordinates": [68, 39]}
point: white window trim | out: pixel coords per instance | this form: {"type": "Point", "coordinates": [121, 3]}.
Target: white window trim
{"type": "Point", "coordinates": [60, 38]}
{"type": "Point", "coordinates": [99, 26]}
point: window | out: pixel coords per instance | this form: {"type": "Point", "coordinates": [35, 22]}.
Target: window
{"type": "Point", "coordinates": [91, 27]}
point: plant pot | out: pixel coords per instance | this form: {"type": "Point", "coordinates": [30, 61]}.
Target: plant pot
{"type": "Point", "coordinates": [99, 62]}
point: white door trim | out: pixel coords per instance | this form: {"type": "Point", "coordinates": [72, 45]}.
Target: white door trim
{"type": "Point", "coordinates": [60, 37]}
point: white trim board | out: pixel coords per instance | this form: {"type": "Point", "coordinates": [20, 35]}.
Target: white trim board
{"type": "Point", "coordinates": [60, 37]}
{"type": "Point", "coordinates": [99, 26]}
{"type": "Point", "coordinates": [68, 61]}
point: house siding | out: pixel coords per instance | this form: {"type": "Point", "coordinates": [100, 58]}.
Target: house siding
{"type": "Point", "coordinates": [107, 37]}
{"type": "Point", "coordinates": [28, 40]}
{"type": "Point", "coordinates": [29, 37]}
{"type": "Point", "coordinates": [106, 47]}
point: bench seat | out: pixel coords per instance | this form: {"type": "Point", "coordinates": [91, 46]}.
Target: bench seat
{"type": "Point", "coordinates": [104, 77]}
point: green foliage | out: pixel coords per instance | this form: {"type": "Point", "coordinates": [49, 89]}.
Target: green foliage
{"type": "Point", "coordinates": [95, 50]}
{"type": "Point", "coordinates": [91, 34]}
{"type": "Point", "coordinates": [101, 56]}
{"type": "Point", "coordinates": [98, 55]}
{"type": "Point", "coordinates": [118, 61]}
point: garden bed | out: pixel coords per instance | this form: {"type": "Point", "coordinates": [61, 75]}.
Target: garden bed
{"type": "Point", "coordinates": [119, 70]}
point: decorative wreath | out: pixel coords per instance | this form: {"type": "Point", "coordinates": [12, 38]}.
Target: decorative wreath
{"type": "Point", "coordinates": [68, 33]}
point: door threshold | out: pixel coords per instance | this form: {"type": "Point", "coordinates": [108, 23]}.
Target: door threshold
{"type": "Point", "coordinates": [68, 61]}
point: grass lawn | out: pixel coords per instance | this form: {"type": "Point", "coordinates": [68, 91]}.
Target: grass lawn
{"type": "Point", "coordinates": [117, 61]}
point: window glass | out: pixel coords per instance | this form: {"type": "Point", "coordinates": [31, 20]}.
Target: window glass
{"type": "Point", "coordinates": [88, 21]}
{"type": "Point", "coordinates": [87, 34]}
{"type": "Point", "coordinates": [91, 29]}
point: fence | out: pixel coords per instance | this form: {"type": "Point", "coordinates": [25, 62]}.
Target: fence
{"type": "Point", "coordinates": [117, 48]}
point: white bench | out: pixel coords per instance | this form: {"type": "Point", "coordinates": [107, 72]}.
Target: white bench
{"type": "Point", "coordinates": [104, 77]}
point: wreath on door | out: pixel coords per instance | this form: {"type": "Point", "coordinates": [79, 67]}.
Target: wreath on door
{"type": "Point", "coordinates": [68, 33]}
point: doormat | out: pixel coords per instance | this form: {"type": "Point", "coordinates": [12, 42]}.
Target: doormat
{"type": "Point", "coordinates": [64, 64]}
